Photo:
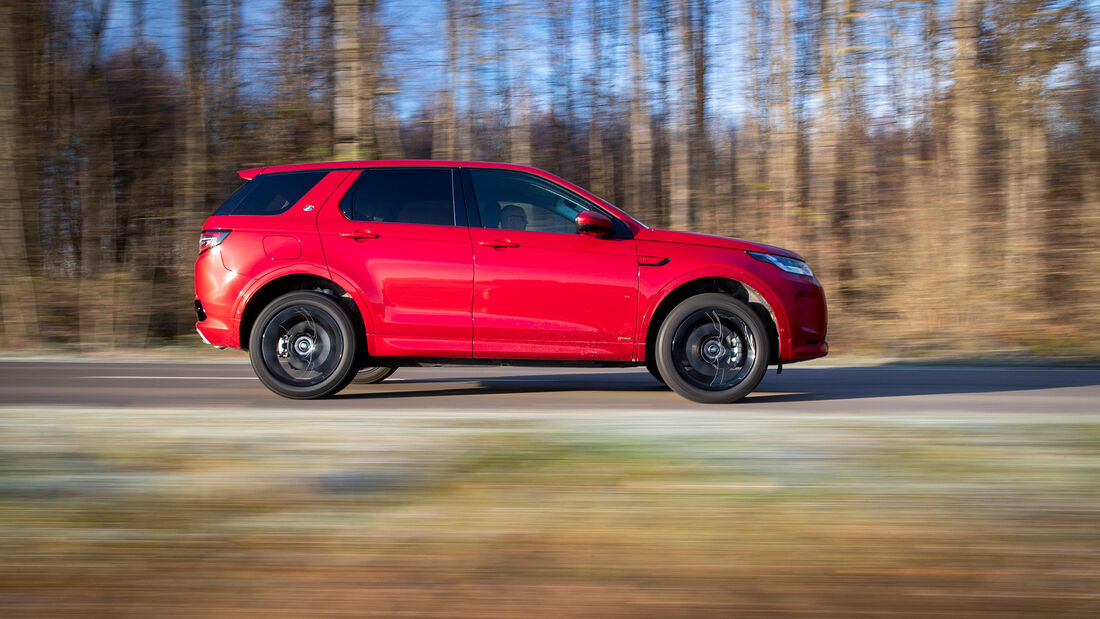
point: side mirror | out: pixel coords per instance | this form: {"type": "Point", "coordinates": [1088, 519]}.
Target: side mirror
{"type": "Point", "coordinates": [594, 223]}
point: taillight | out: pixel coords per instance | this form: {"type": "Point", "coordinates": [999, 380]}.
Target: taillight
{"type": "Point", "coordinates": [211, 238]}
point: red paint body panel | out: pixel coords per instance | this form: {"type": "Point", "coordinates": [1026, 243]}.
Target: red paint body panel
{"type": "Point", "coordinates": [220, 290]}
{"type": "Point", "coordinates": [243, 250]}
{"type": "Point", "coordinates": [566, 296]}
{"type": "Point", "coordinates": [416, 281]}
{"type": "Point", "coordinates": [282, 247]}
{"type": "Point", "coordinates": [250, 173]}
{"type": "Point", "coordinates": [710, 240]}
{"type": "Point", "coordinates": [438, 291]}
{"type": "Point", "coordinates": [797, 302]}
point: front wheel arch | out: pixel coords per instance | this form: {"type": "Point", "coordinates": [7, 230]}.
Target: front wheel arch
{"type": "Point", "coordinates": [724, 285]}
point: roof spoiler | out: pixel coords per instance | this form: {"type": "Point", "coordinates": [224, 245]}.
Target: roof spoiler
{"type": "Point", "coordinates": [250, 173]}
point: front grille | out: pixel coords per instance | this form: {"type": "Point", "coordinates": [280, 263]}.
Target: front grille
{"type": "Point", "coordinates": [198, 310]}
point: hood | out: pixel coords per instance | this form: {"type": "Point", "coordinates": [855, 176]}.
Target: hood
{"type": "Point", "coordinates": [710, 240]}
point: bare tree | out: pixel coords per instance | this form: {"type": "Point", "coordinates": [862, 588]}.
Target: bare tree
{"type": "Point", "coordinates": [98, 249]}
{"type": "Point", "coordinates": [18, 306]}
{"type": "Point", "coordinates": [445, 132]}
{"type": "Point", "coordinates": [348, 79]}
{"type": "Point", "coordinates": [519, 88]}
{"type": "Point", "coordinates": [679, 176]}
{"type": "Point", "coordinates": [963, 137]}
{"type": "Point", "coordinates": [642, 197]}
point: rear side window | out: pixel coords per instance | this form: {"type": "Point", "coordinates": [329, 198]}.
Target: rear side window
{"type": "Point", "coordinates": [271, 194]}
{"type": "Point", "coordinates": [402, 195]}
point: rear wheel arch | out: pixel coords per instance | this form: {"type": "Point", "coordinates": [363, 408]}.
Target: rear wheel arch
{"type": "Point", "coordinates": [725, 285]}
{"type": "Point", "coordinates": [276, 288]}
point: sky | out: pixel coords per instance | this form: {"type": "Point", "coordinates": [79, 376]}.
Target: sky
{"type": "Point", "coordinates": [417, 43]}
{"type": "Point", "coordinates": [417, 49]}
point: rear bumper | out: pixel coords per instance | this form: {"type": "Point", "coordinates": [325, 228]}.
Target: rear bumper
{"type": "Point", "coordinates": [217, 291]}
{"type": "Point", "coordinates": [204, 340]}
{"type": "Point", "coordinates": [217, 336]}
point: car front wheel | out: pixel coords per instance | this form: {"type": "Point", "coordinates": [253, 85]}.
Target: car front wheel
{"type": "Point", "coordinates": [712, 348]}
{"type": "Point", "coordinates": [303, 346]}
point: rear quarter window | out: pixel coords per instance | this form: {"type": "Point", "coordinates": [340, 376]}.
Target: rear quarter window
{"type": "Point", "coordinates": [270, 194]}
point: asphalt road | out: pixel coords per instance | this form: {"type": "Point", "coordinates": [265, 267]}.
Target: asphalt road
{"type": "Point", "coordinates": [807, 388]}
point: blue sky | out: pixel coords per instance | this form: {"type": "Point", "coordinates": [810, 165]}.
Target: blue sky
{"type": "Point", "coordinates": [417, 48]}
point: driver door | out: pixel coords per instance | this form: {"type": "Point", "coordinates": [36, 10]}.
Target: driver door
{"type": "Point", "coordinates": [541, 290]}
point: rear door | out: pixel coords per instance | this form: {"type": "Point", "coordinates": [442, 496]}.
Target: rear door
{"type": "Point", "coordinates": [398, 236]}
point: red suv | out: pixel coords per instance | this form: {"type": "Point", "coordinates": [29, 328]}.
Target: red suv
{"type": "Point", "coordinates": [325, 270]}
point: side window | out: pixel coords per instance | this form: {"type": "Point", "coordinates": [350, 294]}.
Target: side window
{"type": "Point", "coordinates": [516, 201]}
{"type": "Point", "coordinates": [402, 195]}
{"type": "Point", "coordinates": [271, 194]}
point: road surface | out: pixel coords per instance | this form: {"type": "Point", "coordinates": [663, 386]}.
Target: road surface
{"type": "Point", "coordinates": [803, 388]}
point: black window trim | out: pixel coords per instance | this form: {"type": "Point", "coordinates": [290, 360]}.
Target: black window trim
{"type": "Point", "coordinates": [459, 222]}
{"type": "Point", "coordinates": [622, 231]}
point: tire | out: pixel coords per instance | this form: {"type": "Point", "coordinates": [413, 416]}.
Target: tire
{"type": "Point", "coordinates": [370, 376]}
{"type": "Point", "coordinates": [651, 365]}
{"type": "Point", "coordinates": [712, 348]}
{"type": "Point", "coordinates": [303, 346]}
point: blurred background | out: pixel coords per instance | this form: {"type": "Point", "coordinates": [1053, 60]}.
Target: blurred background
{"type": "Point", "coordinates": [937, 162]}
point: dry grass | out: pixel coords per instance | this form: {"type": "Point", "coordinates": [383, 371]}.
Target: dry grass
{"type": "Point", "coordinates": [166, 512]}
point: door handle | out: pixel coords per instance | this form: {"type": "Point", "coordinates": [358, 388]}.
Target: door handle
{"type": "Point", "coordinates": [359, 234]}
{"type": "Point", "coordinates": [498, 243]}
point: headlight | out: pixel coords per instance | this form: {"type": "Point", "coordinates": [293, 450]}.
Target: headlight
{"type": "Point", "coordinates": [789, 265]}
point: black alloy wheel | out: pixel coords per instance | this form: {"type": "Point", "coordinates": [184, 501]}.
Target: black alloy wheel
{"type": "Point", "coordinates": [712, 348]}
{"type": "Point", "coordinates": [303, 346]}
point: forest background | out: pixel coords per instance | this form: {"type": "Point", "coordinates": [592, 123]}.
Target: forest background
{"type": "Point", "coordinates": [936, 162]}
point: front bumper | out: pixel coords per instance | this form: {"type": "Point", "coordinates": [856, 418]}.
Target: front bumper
{"type": "Point", "coordinates": [807, 319]}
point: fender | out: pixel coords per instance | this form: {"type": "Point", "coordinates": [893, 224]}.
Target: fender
{"type": "Point", "coordinates": [315, 270]}
{"type": "Point", "coordinates": [724, 271]}
{"type": "Point", "coordinates": [366, 310]}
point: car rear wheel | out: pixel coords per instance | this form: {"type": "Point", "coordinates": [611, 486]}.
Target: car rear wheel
{"type": "Point", "coordinates": [303, 346]}
{"type": "Point", "coordinates": [370, 376]}
{"type": "Point", "coordinates": [712, 348]}
{"type": "Point", "coordinates": [651, 365]}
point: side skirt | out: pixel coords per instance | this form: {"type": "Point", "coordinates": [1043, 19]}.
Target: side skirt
{"type": "Point", "coordinates": [396, 362]}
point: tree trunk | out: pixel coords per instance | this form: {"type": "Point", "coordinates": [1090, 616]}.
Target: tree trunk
{"type": "Point", "coordinates": [964, 145]}
{"type": "Point", "coordinates": [642, 196]}
{"type": "Point", "coordinates": [679, 175]}
{"type": "Point", "coordinates": [783, 171]}
{"type": "Point", "coordinates": [191, 181]}
{"type": "Point", "coordinates": [824, 144]}
{"type": "Point", "coordinates": [99, 253]}
{"type": "Point", "coordinates": [346, 117]}
{"type": "Point", "coordinates": [18, 307]}
{"type": "Point", "coordinates": [597, 166]}
{"type": "Point", "coordinates": [1024, 202]}
{"type": "Point", "coordinates": [446, 123]}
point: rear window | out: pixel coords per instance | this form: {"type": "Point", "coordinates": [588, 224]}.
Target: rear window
{"type": "Point", "coordinates": [270, 194]}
